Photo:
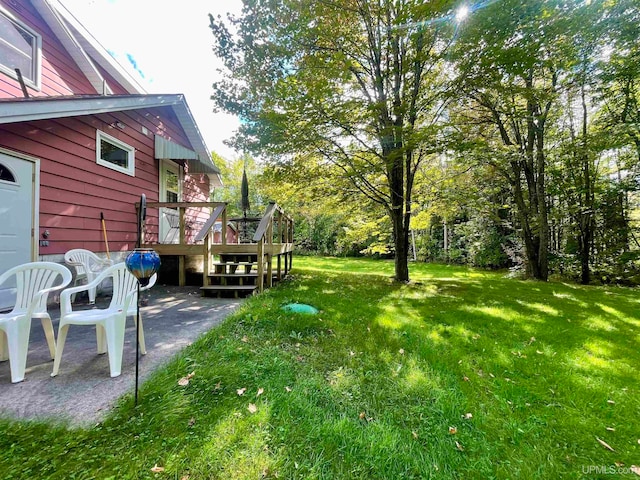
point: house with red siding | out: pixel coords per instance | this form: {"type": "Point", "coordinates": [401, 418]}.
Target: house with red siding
{"type": "Point", "coordinates": [81, 139]}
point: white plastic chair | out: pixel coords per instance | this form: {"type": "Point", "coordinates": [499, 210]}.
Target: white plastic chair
{"type": "Point", "coordinates": [109, 322]}
{"type": "Point", "coordinates": [34, 282]}
{"type": "Point", "coordinates": [88, 266]}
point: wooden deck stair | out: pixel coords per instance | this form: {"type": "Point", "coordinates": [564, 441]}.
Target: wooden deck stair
{"type": "Point", "coordinates": [231, 269]}
{"type": "Point", "coordinates": [236, 274]}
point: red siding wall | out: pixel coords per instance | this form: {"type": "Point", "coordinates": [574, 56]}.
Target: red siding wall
{"type": "Point", "coordinates": [60, 74]}
{"type": "Point", "coordinates": [195, 189]}
{"type": "Point", "coordinates": [74, 189]}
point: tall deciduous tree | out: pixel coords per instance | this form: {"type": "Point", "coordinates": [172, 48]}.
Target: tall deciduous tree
{"type": "Point", "coordinates": [360, 83]}
{"type": "Point", "coordinates": [510, 63]}
{"type": "Point", "coordinates": [620, 75]}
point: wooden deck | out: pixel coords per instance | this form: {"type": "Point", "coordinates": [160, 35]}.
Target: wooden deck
{"type": "Point", "coordinates": [235, 269]}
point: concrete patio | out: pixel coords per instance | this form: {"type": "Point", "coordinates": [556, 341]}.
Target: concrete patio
{"type": "Point", "coordinates": [83, 392]}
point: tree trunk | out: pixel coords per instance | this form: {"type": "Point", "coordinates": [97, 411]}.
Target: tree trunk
{"type": "Point", "coordinates": [400, 230]}
{"type": "Point", "coordinates": [586, 216]}
{"type": "Point", "coordinates": [401, 243]}
{"type": "Point", "coordinates": [542, 214]}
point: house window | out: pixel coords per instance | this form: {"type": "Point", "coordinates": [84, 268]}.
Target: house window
{"type": "Point", "coordinates": [20, 47]}
{"type": "Point", "coordinates": [114, 154]}
{"type": "Point", "coordinates": [6, 175]}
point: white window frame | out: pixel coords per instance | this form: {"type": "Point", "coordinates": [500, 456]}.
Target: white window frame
{"type": "Point", "coordinates": [131, 157]}
{"type": "Point", "coordinates": [37, 54]}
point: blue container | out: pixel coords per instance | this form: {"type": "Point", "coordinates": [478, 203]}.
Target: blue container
{"type": "Point", "coordinates": [143, 263]}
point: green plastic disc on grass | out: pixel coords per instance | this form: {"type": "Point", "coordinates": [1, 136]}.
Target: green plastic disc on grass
{"type": "Point", "coordinates": [300, 308]}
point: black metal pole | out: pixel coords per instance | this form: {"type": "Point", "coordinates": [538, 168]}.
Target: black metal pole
{"type": "Point", "coordinates": [142, 213]}
{"type": "Point", "coordinates": [137, 340]}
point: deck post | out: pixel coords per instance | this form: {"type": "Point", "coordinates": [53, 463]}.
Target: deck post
{"type": "Point", "coordinates": [182, 273]}
{"type": "Point", "coordinates": [270, 255]}
{"type": "Point", "coordinates": [223, 228]}
{"type": "Point", "coordinates": [206, 260]}
{"type": "Point", "coordinates": [260, 260]}
{"type": "Point", "coordinates": [279, 267]}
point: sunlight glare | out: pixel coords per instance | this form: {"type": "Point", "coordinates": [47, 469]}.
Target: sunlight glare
{"type": "Point", "coordinates": [462, 13]}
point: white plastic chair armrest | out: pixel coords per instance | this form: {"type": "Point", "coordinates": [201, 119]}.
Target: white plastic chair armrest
{"type": "Point", "coordinates": [65, 296]}
{"type": "Point", "coordinates": [4, 277]}
{"type": "Point", "coordinates": [65, 300]}
{"type": "Point", "coordinates": [73, 263]}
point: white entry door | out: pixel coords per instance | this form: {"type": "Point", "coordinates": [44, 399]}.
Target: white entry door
{"type": "Point", "coordinates": [17, 217]}
{"type": "Point", "coordinates": [170, 191]}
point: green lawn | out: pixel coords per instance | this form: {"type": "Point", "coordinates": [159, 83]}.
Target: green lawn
{"type": "Point", "coordinates": [462, 374]}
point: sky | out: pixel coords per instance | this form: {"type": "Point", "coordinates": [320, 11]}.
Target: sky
{"type": "Point", "coordinates": [167, 45]}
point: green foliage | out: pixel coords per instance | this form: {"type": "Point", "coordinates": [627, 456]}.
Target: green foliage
{"type": "Point", "coordinates": [318, 234]}
{"type": "Point", "coordinates": [359, 85]}
{"type": "Point", "coordinates": [537, 139]}
{"type": "Point", "coordinates": [231, 191]}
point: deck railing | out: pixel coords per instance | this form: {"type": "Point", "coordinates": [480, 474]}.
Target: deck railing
{"type": "Point", "coordinates": [264, 237]}
{"type": "Point", "coordinates": [273, 238]}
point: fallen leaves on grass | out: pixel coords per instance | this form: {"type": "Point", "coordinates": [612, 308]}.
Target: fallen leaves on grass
{"type": "Point", "coordinates": [635, 469]}
{"type": "Point", "coordinates": [415, 435]}
{"type": "Point", "coordinates": [401, 351]}
{"type": "Point", "coordinates": [260, 392]}
{"type": "Point", "coordinates": [157, 469]}
{"type": "Point", "coordinates": [192, 421]}
{"type": "Point", "coordinates": [610, 429]}
{"type": "Point", "coordinates": [453, 430]}
{"type": "Point", "coordinates": [605, 444]}
{"type": "Point", "coordinates": [245, 339]}
{"type": "Point", "coordinates": [459, 446]}
{"type": "Point", "coordinates": [252, 408]}
{"type": "Point", "coordinates": [611, 402]}
{"type": "Point", "coordinates": [241, 391]}
{"type": "Point", "coordinates": [363, 416]}
{"type": "Point", "coordinates": [288, 389]}
{"type": "Point", "coordinates": [468, 416]}
{"type": "Point", "coordinates": [184, 381]}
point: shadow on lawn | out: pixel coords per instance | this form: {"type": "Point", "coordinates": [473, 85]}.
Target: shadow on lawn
{"type": "Point", "coordinates": [370, 387]}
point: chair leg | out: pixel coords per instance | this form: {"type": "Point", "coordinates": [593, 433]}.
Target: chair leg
{"type": "Point", "coordinates": [18, 340]}
{"type": "Point", "coordinates": [73, 295]}
{"type": "Point", "coordinates": [143, 346]}
{"type": "Point", "coordinates": [4, 346]}
{"type": "Point", "coordinates": [101, 340]}
{"type": "Point", "coordinates": [92, 295]}
{"type": "Point", "coordinates": [62, 336]}
{"type": "Point", "coordinates": [114, 328]}
{"type": "Point", "coordinates": [47, 326]}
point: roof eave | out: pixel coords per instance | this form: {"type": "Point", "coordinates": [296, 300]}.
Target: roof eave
{"type": "Point", "coordinates": [39, 108]}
